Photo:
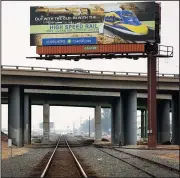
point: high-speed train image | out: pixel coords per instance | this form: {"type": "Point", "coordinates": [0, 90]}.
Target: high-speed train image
{"type": "Point", "coordinates": [126, 22]}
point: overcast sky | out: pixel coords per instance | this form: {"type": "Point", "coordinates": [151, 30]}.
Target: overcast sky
{"type": "Point", "coordinates": [16, 47]}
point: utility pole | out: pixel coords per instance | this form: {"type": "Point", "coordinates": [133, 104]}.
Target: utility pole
{"type": "Point", "coordinates": [73, 127]}
{"type": "Point", "coordinates": [89, 128]}
{"type": "Point", "coordinates": [80, 126]}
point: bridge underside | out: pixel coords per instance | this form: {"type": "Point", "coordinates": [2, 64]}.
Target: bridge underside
{"type": "Point", "coordinates": [79, 98]}
{"type": "Point", "coordinates": [124, 106]}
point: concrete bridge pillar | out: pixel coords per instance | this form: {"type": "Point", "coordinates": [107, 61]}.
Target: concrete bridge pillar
{"type": "Point", "coordinates": [98, 130]}
{"type": "Point", "coordinates": [175, 119]}
{"type": "Point", "coordinates": [158, 124]}
{"type": "Point", "coordinates": [146, 124]}
{"type": "Point", "coordinates": [116, 122]}
{"type": "Point", "coordinates": [113, 124]}
{"type": "Point", "coordinates": [15, 115]}
{"type": "Point", "coordinates": [163, 121]}
{"type": "Point", "coordinates": [46, 113]}
{"type": "Point", "coordinates": [129, 107]}
{"type": "Point", "coordinates": [142, 124]}
{"type": "Point", "coordinates": [27, 119]}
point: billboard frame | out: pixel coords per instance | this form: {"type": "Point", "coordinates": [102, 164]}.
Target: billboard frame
{"type": "Point", "coordinates": [156, 36]}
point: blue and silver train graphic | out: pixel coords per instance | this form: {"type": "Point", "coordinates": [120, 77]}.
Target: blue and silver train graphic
{"type": "Point", "coordinates": [126, 22]}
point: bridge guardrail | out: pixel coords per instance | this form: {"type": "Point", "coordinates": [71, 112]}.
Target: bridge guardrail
{"type": "Point", "coordinates": [32, 68]}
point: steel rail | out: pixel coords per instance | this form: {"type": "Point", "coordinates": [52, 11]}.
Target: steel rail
{"type": "Point", "coordinates": [121, 159]}
{"type": "Point", "coordinates": [77, 162]}
{"type": "Point", "coordinates": [141, 158]}
{"type": "Point", "coordinates": [50, 160]}
{"type": "Point", "coordinates": [147, 160]}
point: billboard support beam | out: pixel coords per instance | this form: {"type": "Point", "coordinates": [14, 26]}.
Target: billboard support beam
{"type": "Point", "coordinates": [160, 51]}
{"type": "Point", "coordinates": [152, 124]}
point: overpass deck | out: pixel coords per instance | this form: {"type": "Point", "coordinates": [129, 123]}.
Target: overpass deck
{"type": "Point", "coordinates": [77, 79]}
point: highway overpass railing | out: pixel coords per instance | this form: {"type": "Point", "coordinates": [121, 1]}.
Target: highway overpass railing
{"type": "Point", "coordinates": [80, 70]}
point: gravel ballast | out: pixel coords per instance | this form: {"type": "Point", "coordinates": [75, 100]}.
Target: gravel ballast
{"type": "Point", "coordinates": [151, 168]}
{"type": "Point", "coordinates": [154, 155]}
{"type": "Point", "coordinates": [21, 166]}
{"type": "Point", "coordinates": [105, 165]}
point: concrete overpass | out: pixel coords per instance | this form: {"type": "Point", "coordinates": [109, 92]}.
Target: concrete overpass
{"type": "Point", "coordinates": [60, 98]}
{"type": "Point", "coordinates": [121, 91]}
{"type": "Point", "coordinates": [46, 78]}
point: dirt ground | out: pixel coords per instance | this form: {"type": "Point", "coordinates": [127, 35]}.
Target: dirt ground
{"type": "Point", "coordinates": [170, 156]}
{"type": "Point", "coordinates": [5, 151]}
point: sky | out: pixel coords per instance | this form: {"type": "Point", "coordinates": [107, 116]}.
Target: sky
{"type": "Point", "coordinates": [15, 28]}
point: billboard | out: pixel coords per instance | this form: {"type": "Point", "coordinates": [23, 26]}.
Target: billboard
{"type": "Point", "coordinates": [91, 24]}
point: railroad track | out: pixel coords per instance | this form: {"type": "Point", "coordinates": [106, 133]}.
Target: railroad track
{"type": "Point", "coordinates": [63, 163]}
{"type": "Point", "coordinates": [145, 165]}
{"type": "Point", "coordinates": [151, 161]}
{"type": "Point", "coordinates": [72, 143]}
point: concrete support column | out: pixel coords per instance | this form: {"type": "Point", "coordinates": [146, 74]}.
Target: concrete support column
{"type": "Point", "coordinates": [146, 124]}
{"type": "Point", "coordinates": [116, 124]}
{"type": "Point", "coordinates": [27, 119]}
{"type": "Point", "coordinates": [46, 113]}
{"type": "Point", "coordinates": [15, 115]}
{"type": "Point", "coordinates": [113, 124]}
{"type": "Point", "coordinates": [175, 119]}
{"type": "Point", "coordinates": [98, 130]}
{"type": "Point", "coordinates": [129, 103]}
{"type": "Point", "coordinates": [158, 123]}
{"type": "Point", "coordinates": [142, 124]}
{"type": "Point", "coordinates": [163, 121]}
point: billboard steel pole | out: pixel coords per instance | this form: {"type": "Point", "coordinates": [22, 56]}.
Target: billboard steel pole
{"type": "Point", "coordinates": [152, 125]}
